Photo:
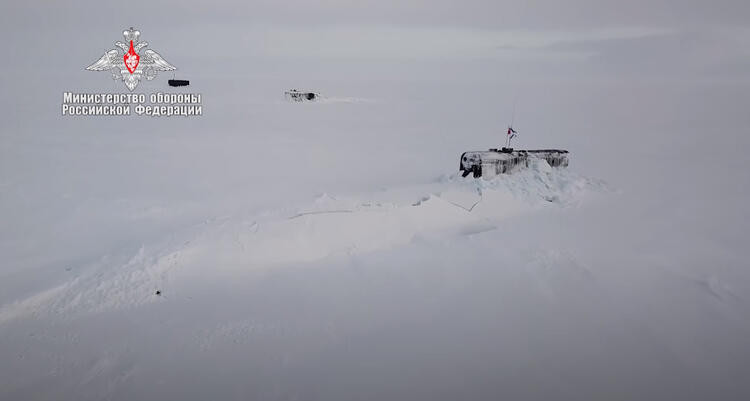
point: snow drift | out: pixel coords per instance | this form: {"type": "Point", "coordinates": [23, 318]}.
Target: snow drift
{"type": "Point", "coordinates": [329, 226]}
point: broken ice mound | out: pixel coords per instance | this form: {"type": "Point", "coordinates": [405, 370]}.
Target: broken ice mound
{"type": "Point", "coordinates": [536, 183]}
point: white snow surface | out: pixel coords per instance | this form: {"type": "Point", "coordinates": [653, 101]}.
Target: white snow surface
{"type": "Point", "coordinates": [329, 250]}
{"type": "Point", "coordinates": [329, 227]}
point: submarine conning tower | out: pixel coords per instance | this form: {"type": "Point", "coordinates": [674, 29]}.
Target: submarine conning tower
{"type": "Point", "coordinates": [492, 162]}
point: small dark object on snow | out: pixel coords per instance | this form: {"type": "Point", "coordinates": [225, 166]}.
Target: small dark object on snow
{"type": "Point", "coordinates": [297, 96]}
{"type": "Point", "coordinates": [178, 82]}
{"type": "Point", "coordinates": [158, 292]}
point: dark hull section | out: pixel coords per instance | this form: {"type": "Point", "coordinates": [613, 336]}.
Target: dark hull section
{"type": "Point", "coordinates": [503, 161]}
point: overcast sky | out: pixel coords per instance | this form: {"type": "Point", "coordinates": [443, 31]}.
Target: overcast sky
{"type": "Point", "coordinates": [690, 39]}
{"type": "Point", "coordinates": [493, 14]}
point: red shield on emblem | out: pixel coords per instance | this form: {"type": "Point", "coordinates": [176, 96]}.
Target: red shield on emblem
{"type": "Point", "coordinates": [131, 59]}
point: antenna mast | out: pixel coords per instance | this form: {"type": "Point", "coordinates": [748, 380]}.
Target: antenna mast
{"type": "Point", "coordinates": [511, 131]}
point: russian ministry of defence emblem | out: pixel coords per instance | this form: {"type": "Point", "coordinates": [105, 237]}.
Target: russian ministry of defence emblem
{"type": "Point", "coordinates": [130, 62]}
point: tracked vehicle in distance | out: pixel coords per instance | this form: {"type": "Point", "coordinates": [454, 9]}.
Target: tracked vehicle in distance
{"type": "Point", "coordinates": [299, 96]}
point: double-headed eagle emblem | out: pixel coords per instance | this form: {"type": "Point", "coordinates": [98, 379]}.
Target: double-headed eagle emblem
{"type": "Point", "coordinates": [131, 64]}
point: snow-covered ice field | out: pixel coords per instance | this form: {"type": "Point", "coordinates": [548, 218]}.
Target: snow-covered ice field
{"type": "Point", "coordinates": [331, 250]}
